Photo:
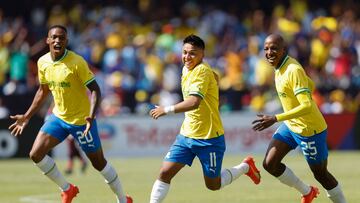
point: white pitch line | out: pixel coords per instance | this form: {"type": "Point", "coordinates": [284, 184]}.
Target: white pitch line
{"type": "Point", "coordinates": [39, 198]}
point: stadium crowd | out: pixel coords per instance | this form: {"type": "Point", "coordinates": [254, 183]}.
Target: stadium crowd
{"type": "Point", "coordinates": [134, 47]}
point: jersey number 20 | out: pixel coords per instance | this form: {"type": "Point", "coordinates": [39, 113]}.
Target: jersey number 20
{"type": "Point", "coordinates": [84, 139]}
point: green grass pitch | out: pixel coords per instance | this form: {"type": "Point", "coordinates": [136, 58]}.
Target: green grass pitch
{"type": "Point", "coordinates": [21, 182]}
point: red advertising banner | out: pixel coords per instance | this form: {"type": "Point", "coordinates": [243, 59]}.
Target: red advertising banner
{"type": "Point", "coordinates": [341, 131]}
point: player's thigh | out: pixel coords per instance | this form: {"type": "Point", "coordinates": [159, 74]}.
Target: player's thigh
{"type": "Point", "coordinates": [177, 157]}
{"type": "Point", "coordinates": [180, 151]}
{"type": "Point", "coordinates": [319, 168]}
{"type": "Point", "coordinates": [280, 145]}
{"type": "Point", "coordinates": [276, 151]}
{"type": "Point", "coordinates": [55, 127]}
{"type": "Point", "coordinates": [97, 159]}
{"type": "Point", "coordinates": [169, 170]}
{"type": "Point", "coordinates": [315, 150]}
{"type": "Point", "coordinates": [42, 145]}
{"type": "Point", "coordinates": [211, 156]}
{"type": "Point", "coordinates": [50, 135]}
{"type": "Point", "coordinates": [89, 143]}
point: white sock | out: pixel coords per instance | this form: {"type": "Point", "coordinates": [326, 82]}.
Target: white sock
{"type": "Point", "coordinates": [231, 174]}
{"type": "Point", "coordinates": [159, 191]}
{"type": "Point", "coordinates": [290, 179]}
{"type": "Point", "coordinates": [112, 179]}
{"type": "Point", "coordinates": [336, 195]}
{"type": "Point", "coordinates": [48, 167]}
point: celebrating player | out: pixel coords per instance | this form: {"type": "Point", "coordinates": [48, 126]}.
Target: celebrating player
{"type": "Point", "coordinates": [303, 125]}
{"type": "Point", "coordinates": [201, 133]}
{"type": "Point", "coordinates": [67, 76]}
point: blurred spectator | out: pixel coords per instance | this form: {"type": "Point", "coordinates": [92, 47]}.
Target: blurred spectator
{"type": "Point", "coordinates": [4, 112]}
{"type": "Point", "coordinates": [4, 61]}
{"type": "Point", "coordinates": [135, 52]}
{"type": "Point", "coordinates": [19, 60]}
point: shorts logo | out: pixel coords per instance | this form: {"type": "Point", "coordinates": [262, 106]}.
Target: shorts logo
{"type": "Point", "coordinates": [167, 155]}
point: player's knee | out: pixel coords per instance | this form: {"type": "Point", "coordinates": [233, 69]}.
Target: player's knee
{"type": "Point", "coordinates": [270, 167]}
{"type": "Point", "coordinates": [165, 176]}
{"type": "Point", "coordinates": [321, 175]}
{"type": "Point", "coordinates": [36, 156]}
{"type": "Point", "coordinates": [213, 187]}
{"type": "Point", "coordinates": [98, 165]}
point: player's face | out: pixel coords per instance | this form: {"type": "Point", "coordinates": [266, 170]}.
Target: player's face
{"type": "Point", "coordinates": [57, 41]}
{"type": "Point", "coordinates": [274, 51]}
{"type": "Point", "coordinates": [191, 56]}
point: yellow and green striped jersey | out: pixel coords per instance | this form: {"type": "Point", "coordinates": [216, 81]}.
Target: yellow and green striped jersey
{"type": "Point", "coordinates": [67, 79]}
{"type": "Point", "coordinates": [290, 80]}
{"type": "Point", "coordinates": [203, 122]}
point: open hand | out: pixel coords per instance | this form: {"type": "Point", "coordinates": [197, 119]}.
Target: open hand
{"type": "Point", "coordinates": [19, 125]}
{"type": "Point", "coordinates": [88, 125]}
{"type": "Point", "coordinates": [263, 122]}
{"type": "Point", "coordinates": [157, 112]}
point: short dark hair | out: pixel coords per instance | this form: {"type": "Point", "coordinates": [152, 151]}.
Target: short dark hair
{"type": "Point", "coordinates": [58, 26]}
{"type": "Point", "coordinates": [195, 41]}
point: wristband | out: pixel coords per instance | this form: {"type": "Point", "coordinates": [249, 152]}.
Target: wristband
{"type": "Point", "coordinates": [169, 109]}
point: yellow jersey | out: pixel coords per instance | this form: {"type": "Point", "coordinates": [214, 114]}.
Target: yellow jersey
{"type": "Point", "coordinates": [67, 79]}
{"type": "Point", "coordinates": [290, 80]}
{"type": "Point", "coordinates": [203, 122]}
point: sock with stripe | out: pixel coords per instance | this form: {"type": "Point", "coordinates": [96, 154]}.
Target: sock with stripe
{"type": "Point", "coordinates": [48, 167]}
{"type": "Point", "coordinates": [231, 174]}
{"type": "Point", "coordinates": [336, 194]}
{"type": "Point", "coordinates": [113, 180]}
{"type": "Point", "coordinates": [290, 179]}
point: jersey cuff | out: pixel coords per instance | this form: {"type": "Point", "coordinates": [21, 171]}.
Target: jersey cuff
{"type": "Point", "coordinates": [89, 81]}
{"type": "Point", "coordinates": [279, 117]}
{"type": "Point", "coordinates": [197, 94]}
{"type": "Point", "coordinates": [298, 91]}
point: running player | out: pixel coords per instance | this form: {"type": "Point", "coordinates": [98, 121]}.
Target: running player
{"type": "Point", "coordinates": [303, 126]}
{"type": "Point", "coordinates": [67, 76]}
{"type": "Point", "coordinates": [201, 133]}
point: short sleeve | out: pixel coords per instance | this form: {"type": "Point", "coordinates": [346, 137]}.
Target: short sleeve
{"type": "Point", "coordinates": [41, 72]}
{"type": "Point", "coordinates": [84, 73]}
{"type": "Point", "coordinates": [200, 82]}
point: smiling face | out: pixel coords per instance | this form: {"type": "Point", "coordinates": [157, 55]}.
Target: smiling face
{"type": "Point", "coordinates": [274, 49]}
{"type": "Point", "coordinates": [57, 41]}
{"type": "Point", "coordinates": [192, 56]}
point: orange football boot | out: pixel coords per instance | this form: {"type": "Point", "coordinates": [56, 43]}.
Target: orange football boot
{"type": "Point", "coordinates": [312, 195]}
{"type": "Point", "coordinates": [253, 172]}
{"type": "Point", "coordinates": [68, 195]}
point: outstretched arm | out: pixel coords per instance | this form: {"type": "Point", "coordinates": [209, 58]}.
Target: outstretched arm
{"type": "Point", "coordinates": [265, 121]}
{"type": "Point", "coordinates": [95, 103]}
{"type": "Point", "coordinates": [190, 103]}
{"type": "Point", "coordinates": [22, 119]}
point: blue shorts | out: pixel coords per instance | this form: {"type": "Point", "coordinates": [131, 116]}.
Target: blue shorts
{"type": "Point", "coordinates": [59, 129]}
{"type": "Point", "coordinates": [209, 151]}
{"type": "Point", "coordinates": [314, 147]}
